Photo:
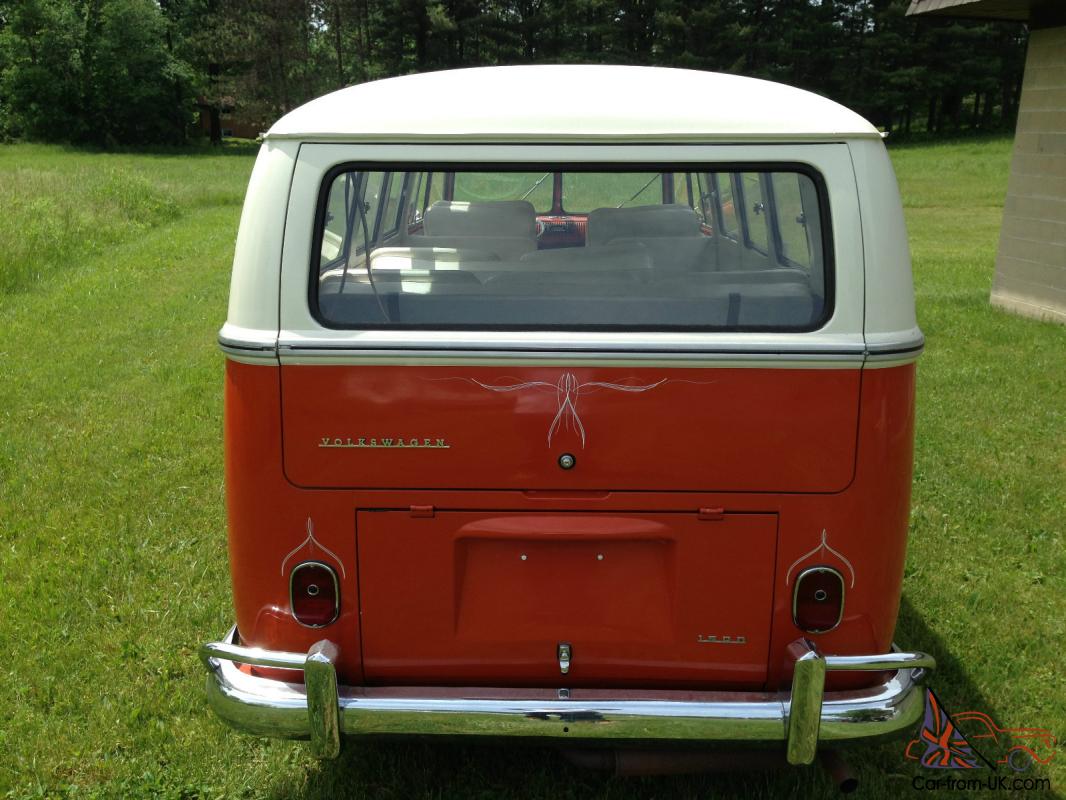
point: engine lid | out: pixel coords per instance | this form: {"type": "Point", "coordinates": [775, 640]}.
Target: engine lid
{"type": "Point", "coordinates": [492, 598]}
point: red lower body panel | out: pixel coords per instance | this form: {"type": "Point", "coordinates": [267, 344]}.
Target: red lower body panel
{"type": "Point", "coordinates": [445, 602]}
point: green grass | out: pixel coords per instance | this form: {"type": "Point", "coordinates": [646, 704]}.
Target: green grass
{"type": "Point", "coordinates": [59, 207]}
{"type": "Point", "coordinates": [112, 544]}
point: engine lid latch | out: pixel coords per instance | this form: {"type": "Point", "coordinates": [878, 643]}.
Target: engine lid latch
{"type": "Point", "coordinates": [564, 653]}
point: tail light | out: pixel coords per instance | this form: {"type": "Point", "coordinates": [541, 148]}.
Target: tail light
{"type": "Point", "coordinates": [314, 594]}
{"type": "Point", "coordinates": [818, 600]}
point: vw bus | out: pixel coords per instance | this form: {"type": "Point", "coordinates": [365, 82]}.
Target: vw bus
{"type": "Point", "coordinates": [573, 404]}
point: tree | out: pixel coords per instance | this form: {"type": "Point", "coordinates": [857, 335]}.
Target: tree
{"type": "Point", "coordinates": [135, 70]}
{"type": "Point", "coordinates": [94, 71]}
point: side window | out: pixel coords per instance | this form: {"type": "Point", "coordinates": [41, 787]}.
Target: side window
{"type": "Point", "coordinates": [371, 206]}
{"type": "Point", "coordinates": [755, 213]}
{"type": "Point", "coordinates": [682, 190]}
{"type": "Point", "coordinates": [723, 190]}
{"type": "Point", "coordinates": [343, 232]}
{"type": "Point", "coordinates": [341, 194]}
{"type": "Point", "coordinates": [390, 214]}
{"type": "Point", "coordinates": [792, 222]}
{"type": "Point", "coordinates": [416, 197]}
{"type": "Point", "coordinates": [702, 199]}
{"type": "Point", "coordinates": [434, 189]}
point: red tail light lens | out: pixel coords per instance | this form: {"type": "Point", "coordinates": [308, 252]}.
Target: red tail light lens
{"type": "Point", "coordinates": [818, 601]}
{"type": "Point", "coordinates": [314, 594]}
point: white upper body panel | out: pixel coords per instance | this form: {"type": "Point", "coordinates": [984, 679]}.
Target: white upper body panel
{"type": "Point", "coordinates": [554, 103]}
{"type": "Point", "coordinates": [567, 114]}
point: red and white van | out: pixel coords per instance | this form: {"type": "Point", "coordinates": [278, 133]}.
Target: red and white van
{"type": "Point", "coordinates": [588, 419]}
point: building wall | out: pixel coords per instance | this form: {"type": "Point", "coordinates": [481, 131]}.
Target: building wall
{"type": "Point", "coordinates": [1031, 264]}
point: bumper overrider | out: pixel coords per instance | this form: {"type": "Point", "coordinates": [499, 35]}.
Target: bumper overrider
{"type": "Point", "coordinates": [802, 719]}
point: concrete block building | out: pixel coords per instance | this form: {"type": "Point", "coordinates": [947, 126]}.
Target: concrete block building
{"type": "Point", "coordinates": [1031, 263]}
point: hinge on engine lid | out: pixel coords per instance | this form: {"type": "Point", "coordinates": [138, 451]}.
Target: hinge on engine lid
{"type": "Point", "coordinates": [711, 514]}
{"type": "Point", "coordinates": [422, 511]}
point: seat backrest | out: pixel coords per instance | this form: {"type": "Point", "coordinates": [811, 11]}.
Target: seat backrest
{"type": "Point", "coordinates": [496, 218]}
{"type": "Point", "coordinates": [640, 222]}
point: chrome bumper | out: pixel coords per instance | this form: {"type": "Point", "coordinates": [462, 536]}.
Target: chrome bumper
{"type": "Point", "coordinates": [801, 719]}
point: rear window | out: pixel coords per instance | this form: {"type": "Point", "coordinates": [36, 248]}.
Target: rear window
{"type": "Point", "coordinates": [546, 247]}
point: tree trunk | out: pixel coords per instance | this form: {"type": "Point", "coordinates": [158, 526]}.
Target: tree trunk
{"type": "Point", "coordinates": [368, 49]}
{"type": "Point", "coordinates": [338, 42]}
{"type": "Point", "coordinates": [215, 115]}
{"type": "Point", "coordinates": [215, 111]}
{"type": "Point", "coordinates": [421, 36]}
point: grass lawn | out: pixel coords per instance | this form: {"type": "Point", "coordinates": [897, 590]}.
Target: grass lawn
{"type": "Point", "coordinates": [113, 280]}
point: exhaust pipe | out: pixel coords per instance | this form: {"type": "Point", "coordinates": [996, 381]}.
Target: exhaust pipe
{"type": "Point", "coordinates": [626, 762]}
{"type": "Point", "coordinates": [838, 769]}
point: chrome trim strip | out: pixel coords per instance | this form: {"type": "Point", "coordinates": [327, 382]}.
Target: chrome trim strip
{"type": "Point", "coordinates": [887, 361]}
{"type": "Point", "coordinates": [681, 358]}
{"type": "Point", "coordinates": [625, 344]}
{"type": "Point", "coordinates": [895, 342]}
{"type": "Point", "coordinates": [248, 352]}
{"type": "Point", "coordinates": [909, 352]}
{"type": "Point", "coordinates": [258, 361]}
{"type": "Point", "coordinates": [246, 345]}
{"type": "Point", "coordinates": [533, 357]}
{"type": "Point", "coordinates": [882, 355]}
{"type": "Point", "coordinates": [277, 708]}
{"type": "Point", "coordinates": [556, 348]}
{"type": "Point", "coordinates": [580, 358]}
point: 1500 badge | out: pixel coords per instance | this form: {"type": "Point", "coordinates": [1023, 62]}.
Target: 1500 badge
{"type": "Point", "coordinates": [387, 443]}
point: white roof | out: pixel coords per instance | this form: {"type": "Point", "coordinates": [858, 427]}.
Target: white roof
{"type": "Point", "coordinates": [550, 103]}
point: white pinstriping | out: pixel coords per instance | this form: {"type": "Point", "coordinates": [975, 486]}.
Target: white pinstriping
{"type": "Point", "coordinates": [823, 546]}
{"type": "Point", "coordinates": [567, 392]}
{"type": "Point", "coordinates": [313, 542]}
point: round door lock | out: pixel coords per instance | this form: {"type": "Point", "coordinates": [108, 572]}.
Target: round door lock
{"type": "Point", "coordinates": [567, 461]}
